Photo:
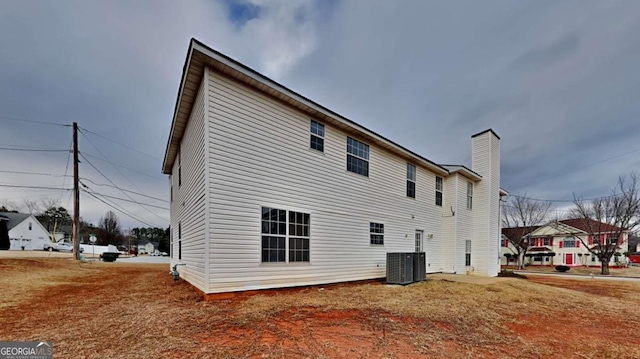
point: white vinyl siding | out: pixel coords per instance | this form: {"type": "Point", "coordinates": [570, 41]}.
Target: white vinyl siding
{"type": "Point", "coordinates": [259, 158]}
{"type": "Point", "coordinates": [188, 205]}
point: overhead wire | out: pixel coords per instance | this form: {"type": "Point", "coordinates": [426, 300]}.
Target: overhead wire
{"type": "Point", "coordinates": [119, 143]}
{"type": "Point", "coordinates": [120, 210]}
{"type": "Point", "coordinates": [125, 167]}
{"type": "Point", "coordinates": [34, 121]}
{"type": "Point", "coordinates": [116, 186]}
{"type": "Point", "coordinates": [126, 190]}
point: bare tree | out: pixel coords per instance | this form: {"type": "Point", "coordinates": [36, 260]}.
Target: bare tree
{"type": "Point", "coordinates": [10, 206]}
{"type": "Point", "coordinates": [32, 206]}
{"type": "Point", "coordinates": [49, 202]}
{"type": "Point", "coordinates": [522, 215]}
{"type": "Point", "coordinates": [608, 218]}
{"type": "Point", "coordinates": [109, 231]}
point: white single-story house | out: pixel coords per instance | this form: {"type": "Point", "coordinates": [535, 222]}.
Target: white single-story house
{"type": "Point", "coordinates": [559, 243]}
{"type": "Point", "coordinates": [25, 231]}
{"type": "Point", "coordinates": [147, 247]}
{"type": "Point", "coordinates": [270, 189]}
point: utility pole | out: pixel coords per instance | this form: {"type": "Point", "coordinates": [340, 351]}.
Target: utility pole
{"type": "Point", "coordinates": [76, 195]}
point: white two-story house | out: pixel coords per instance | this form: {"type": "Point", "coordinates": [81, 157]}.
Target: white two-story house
{"type": "Point", "coordinates": [562, 240]}
{"type": "Point", "coordinates": [270, 189]}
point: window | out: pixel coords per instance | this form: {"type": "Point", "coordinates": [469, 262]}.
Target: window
{"type": "Point", "coordinates": [317, 136]}
{"type": "Point", "coordinates": [299, 237]}
{"type": "Point", "coordinates": [438, 191]}
{"type": "Point", "coordinates": [179, 169]}
{"type": "Point", "coordinates": [505, 242]}
{"type": "Point", "coordinates": [411, 180]}
{"type": "Point", "coordinates": [357, 157]}
{"type": "Point", "coordinates": [596, 239]}
{"type": "Point", "coordinates": [275, 238]}
{"type": "Point", "coordinates": [569, 242]}
{"type": "Point", "coordinates": [171, 194]}
{"type": "Point", "coordinates": [376, 233]}
{"type": "Point", "coordinates": [467, 252]}
{"type": "Point", "coordinates": [469, 195]}
{"type": "Point", "coordinates": [613, 239]}
{"type": "Point", "coordinates": [274, 232]}
{"type": "Point", "coordinates": [170, 242]}
{"type": "Point", "coordinates": [179, 240]}
{"type": "Point", "coordinates": [30, 226]}
{"type": "Point", "coordinates": [547, 242]}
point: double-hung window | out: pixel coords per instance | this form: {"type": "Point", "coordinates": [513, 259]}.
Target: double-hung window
{"type": "Point", "coordinates": [179, 240]}
{"type": "Point", "coordinates": [317, 136]}
{"type": "Point", "coordinates": [357, 157]}
{"type": "Point", "coordinates": [411, 180]}
{"type": "Point", "coordinates": [467, 253]}
{"type": "Point", "coordinates": [179, 168]}
{"type": "Point", "coordinates": [469, 195]}
{"type": "Point", "coordinates": [569, 242]}
{"type": "Point", "coordinates": [276, 239]}
{"type": "Point", "coordinates": [376, 233]}
{"type": "Point", "coordinates": [439, 191]}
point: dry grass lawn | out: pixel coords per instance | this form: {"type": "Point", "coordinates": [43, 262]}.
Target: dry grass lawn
{"type": "Point", "coordinates": [98, 310]}
{"type": "Point", "coordinates": [614, 272]}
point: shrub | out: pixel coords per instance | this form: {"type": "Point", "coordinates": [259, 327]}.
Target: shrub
{"type": "Point", "coordinates": [562, 268]}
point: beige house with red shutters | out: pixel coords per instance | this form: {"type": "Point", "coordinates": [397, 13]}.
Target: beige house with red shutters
{"type": "Point", "coordinates": [563, 239]}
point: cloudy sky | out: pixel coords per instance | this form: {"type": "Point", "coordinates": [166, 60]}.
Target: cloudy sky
{"type": "Point", "coordinates": [558, 81]}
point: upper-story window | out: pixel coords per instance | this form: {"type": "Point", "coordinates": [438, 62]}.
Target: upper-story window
{"type": "Point", "coordinates": [547, 242]}
{"type": "Point", "coordinates": [469, 195]}
{"type": "Point", "coordinates": [569, 242]}
{"type": "Point", "coordinates": [317, 136]}
{"type": "Point", "coordinates": [613, 239]}
{"type": "Point", "coordinates": [438, 191]}
{"type": "Point", "coordinates": [596, 239]}
{"type": "Point", "coordinates": [30, 226]}
{"type": "Point", "coordinates": [179, 168]}
{"type": "Point", "coordinates": [357, 157]}
{"type": "Point", "coordinates": [411, 180]}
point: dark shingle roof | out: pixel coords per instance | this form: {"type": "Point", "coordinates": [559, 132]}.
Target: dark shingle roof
{"type": "Point", "coordinates": [13, 219]}
{"type": "Point", "coordinates": [596, 227]}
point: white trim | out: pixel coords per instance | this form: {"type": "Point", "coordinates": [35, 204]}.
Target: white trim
{"type": "Point", "coordinates": [207, 191]}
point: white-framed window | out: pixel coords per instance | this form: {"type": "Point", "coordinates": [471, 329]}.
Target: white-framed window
{"type": "Point", "coordinates": [276, 239]}
{"type": "Point", "coordinates": [547, 241]}
{"type": "Point", "coordinates": [376, 233]}
{"type": "Point", "coordinates": [469, 195]}
{"type": "Point", "coordinates": [569, 242]}
{"type": "Point", "coordinates": [171, 243]}
{"type": "Point", "coordinates": [596, 239]}
{"type": "Point", "coordinates": [613, 239]}
{"type": "Point", "coordinates": [179, 240]}
{"type": "Point", "coordinates": [357, 157]}
{"type": "Point", "coordinates": [467, 252]}
{"type": "Point", "coordinates": [439, 187]}
{"type": "Point", "coordinates": [179, 168]}
{"type": "Point", "coordinates": [30, 226]}
{"type": "Point", "coordinates": [316, 141]}
{"type": "Point", "coordinates": [418, 242]}
{"type": "Point", "coordinates": [411, 180]}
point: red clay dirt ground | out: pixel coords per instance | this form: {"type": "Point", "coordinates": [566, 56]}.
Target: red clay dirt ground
{"type": "Point", "coordinates": [97, 310]}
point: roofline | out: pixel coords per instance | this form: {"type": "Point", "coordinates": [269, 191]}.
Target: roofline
{"type": "Point", "coordinates": [488, 130]}
{"type": "Point", "coordinates": [196, 45]}
{"type": "Point", "coordinates": [503, 192]}
{"type": "Point", "coordinates": [464, 171]}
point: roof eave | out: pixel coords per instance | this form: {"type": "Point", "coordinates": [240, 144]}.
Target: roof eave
{"type": "Point", "coordinates": [216, 56]}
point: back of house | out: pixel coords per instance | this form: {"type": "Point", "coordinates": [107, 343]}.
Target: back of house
{"type": "Point", "coordinates": [270, 189]}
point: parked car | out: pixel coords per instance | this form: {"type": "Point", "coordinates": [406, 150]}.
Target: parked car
{"type": "Point", "coordinates": [65, 246]}
{"type": "Point", "coordinates": [48, 246]}
{"type": "Point", "coordinates": [155, 254]}
{"type": "Point", "coordinates": [164, 254]}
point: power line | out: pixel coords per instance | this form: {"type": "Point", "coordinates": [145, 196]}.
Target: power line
{"type": "Point", "coordinates": [66, 169]}
{"type": "Point", "coordinates": [126, 190]}
{"type": "Point", "coordinates": [35, 187]}
{"type": "Point", "coordinates": [32, 173]}
{"type": "Point", "coordinates": [34, 121]}
{"type": "Point", "coordinates": [127, 200]}
{"type": "Point", "coordinates": [116, 186]}
{"type": "Point", "coordinates": [580, 168]}
{"type": "Point", "coordinates": [119, 143]}
{"type": "Point", "coordinates": [32, 149]}
{"type": "Point", "coordinates": [557, 200]}
{"type": "Point", "coordinates": [126, 168]}
{"type": "Point", "coordinates": [121, 210]}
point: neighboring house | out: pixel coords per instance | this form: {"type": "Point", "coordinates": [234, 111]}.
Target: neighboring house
{"type": "Point", "coordinates": [25, 231]}
{"type": "Point", "coordinates": [147, 246]}
{"type": "Point", "coordinates": [561, 238]}
{"type": "Point", "coordinates": [270, 189]}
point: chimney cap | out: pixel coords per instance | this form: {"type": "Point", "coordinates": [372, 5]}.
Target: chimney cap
{"type": "Point", "coordinates": [483, 132]}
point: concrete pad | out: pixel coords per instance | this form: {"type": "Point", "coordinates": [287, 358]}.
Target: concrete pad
{"type": "Point", "coordinates": [471, 279]}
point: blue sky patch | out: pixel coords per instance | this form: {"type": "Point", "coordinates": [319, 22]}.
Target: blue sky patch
{"type": "Point", "coordinates": [241, 11]}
